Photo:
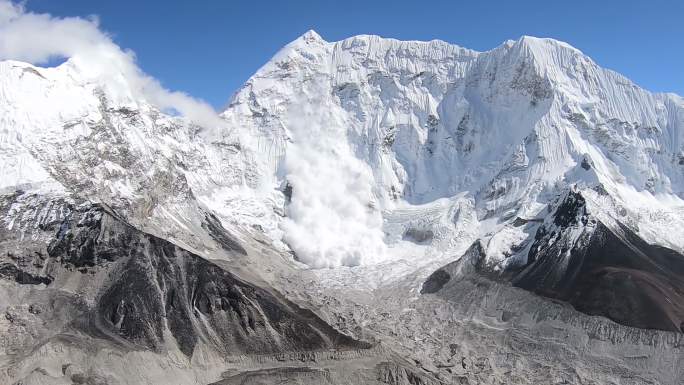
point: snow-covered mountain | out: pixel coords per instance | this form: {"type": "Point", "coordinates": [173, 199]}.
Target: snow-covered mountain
{"type": "Point", "coordinates": [356, 130]}
{"type": "Point", "coordinates": [365, 165]}
{"type": "Point", "coordinates": [507, 129]}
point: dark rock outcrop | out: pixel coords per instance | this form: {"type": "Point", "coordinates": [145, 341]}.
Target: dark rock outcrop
{"type": "Point", "coordinates": [155, 284]}
{"type": "Point", "coordinates": [214, 227]}
{"type": "Point", "coordinates": [435, 281]}
{"type": "Point", "coordinates": [600, 270]}
{"type": "Point", "coordinates": [149, 289]}
{"type": "Point", "coordinates": [472, 261]}
{"type": "Point", "coordinates": [605, 271]}
{"type": "Point", "coordinates": [12, 272]}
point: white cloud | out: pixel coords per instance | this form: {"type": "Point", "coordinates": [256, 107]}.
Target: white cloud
{"type": "Point", "coordinates": [37, 38]}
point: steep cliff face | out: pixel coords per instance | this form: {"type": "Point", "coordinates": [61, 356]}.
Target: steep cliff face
{"type": "Point", "coordinates": [420, 121]}
{"type": "Point", "coordinates": [155, 285]}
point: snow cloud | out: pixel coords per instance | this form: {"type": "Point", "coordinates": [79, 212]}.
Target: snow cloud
{"type": "Point", "coordinates": [332, 219]}
{"type": "Point", "coordinates": [38, 38]}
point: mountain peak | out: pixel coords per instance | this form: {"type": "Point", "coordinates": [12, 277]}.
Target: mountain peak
{"type": "Point", "coordinates": [311, 35]}
{"type": "Point", "coordinates": [543, 42]}
{"type": "Point", "coordinates": [546, 50]}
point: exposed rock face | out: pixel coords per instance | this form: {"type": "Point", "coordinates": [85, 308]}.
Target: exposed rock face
{"type": "Point", "coordinates": [471, 262]}
{"type": "Point", "coordinates": [12, 272]}
{"type": "Point", "coordinates": [601, 270]}
{"type": "Point", "coordinates": [146, 293]}
{"type": "Point", "coordinates": [153, 284]}
{"type": "Point", "coordinates": [493, 333]}
{"type": "Point", "coordinates": [521, 329]}
{"type": "Point", "coordinates": [435, 281]}
{"type": "Point", "coordinates": [605, 271]}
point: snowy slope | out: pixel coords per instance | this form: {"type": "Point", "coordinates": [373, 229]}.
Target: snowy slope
{"type": "Point", "coordinates": [351, 152]}
{"type": "Point", "coordinates": [64, 130]}
{"type": "Point", "coordinates": [510, 128]}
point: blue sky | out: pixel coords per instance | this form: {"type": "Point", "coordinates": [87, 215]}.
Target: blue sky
{"type": "Point", "coordinates": [209, 48]}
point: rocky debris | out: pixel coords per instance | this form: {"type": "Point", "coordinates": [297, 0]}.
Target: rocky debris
{"type": "Point", "coordinates": [12, 272]}
{"type": "Point", "coordinates": [393, 374]}
{"type": "Point", "coordinates": [281, 375]}
{"type": "Point", "coordinates": [154, 295]}
{"type": "Point", "coordinates": [478, 331]}
{"type": "Point", "coordinates": [419, 235]}
{"type": "Point", "coordinates": [156, 285]}
{"type": "Point", "coordinates": [216, 230]}
{"type": "Point", "coordinates": [435, 282]}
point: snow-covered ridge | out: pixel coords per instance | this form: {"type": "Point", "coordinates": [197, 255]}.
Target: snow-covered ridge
{"type": "Point", "coordinates": [355, 132]}
{"type": "Point", "coordinates": [510, 127]}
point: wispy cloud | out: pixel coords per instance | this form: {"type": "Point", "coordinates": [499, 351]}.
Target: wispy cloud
{"type": "Point", "coordinates": [39, 38]}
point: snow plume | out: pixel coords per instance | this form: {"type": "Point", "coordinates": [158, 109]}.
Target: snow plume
{"type": "Point", "coordinates": [38, 38]}
{"type": "Point", "coordinates": [332, 220]}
